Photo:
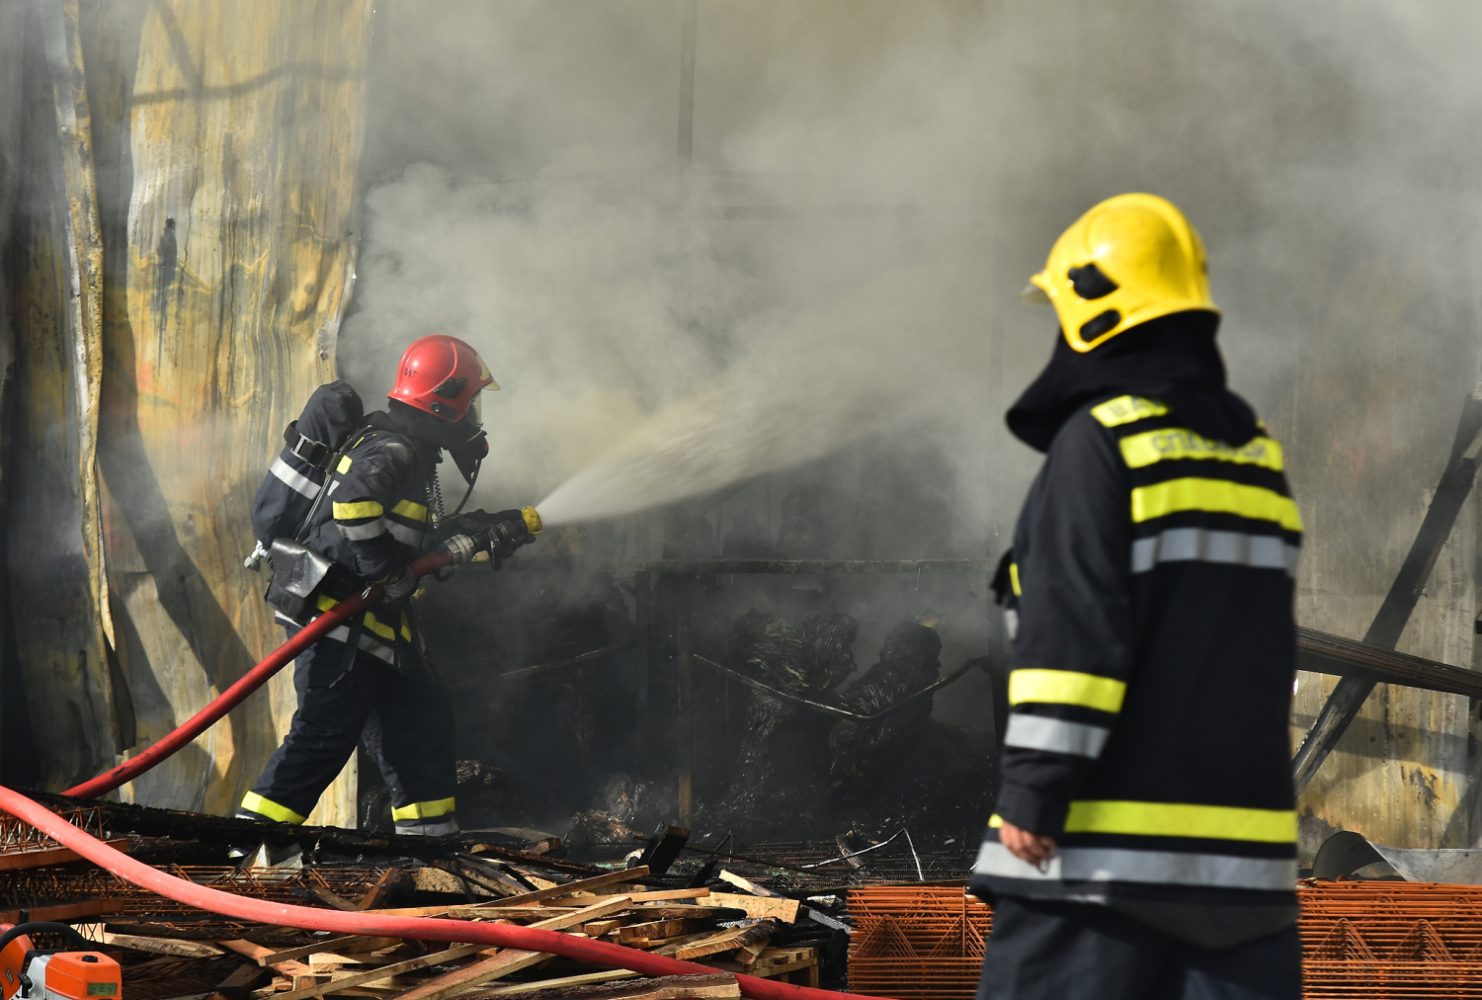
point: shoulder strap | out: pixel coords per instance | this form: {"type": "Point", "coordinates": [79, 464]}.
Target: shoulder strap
{"type": "Point", "coordinates": [354, 438]}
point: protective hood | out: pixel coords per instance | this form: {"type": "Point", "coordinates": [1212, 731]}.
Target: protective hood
{"type": "Point", "coordinates": [1172, 358]}
{"type": "Point", "coordinates": [463, 439]}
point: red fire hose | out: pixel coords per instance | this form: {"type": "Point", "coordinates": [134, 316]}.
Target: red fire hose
{"type": "Point", "coordinates": [250, 682]}
{"type": "Point", "coordinates": [378, 924]}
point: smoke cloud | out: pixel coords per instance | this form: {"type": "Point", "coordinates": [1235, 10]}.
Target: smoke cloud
{"type": "Point", "coordinates": [527, 194]}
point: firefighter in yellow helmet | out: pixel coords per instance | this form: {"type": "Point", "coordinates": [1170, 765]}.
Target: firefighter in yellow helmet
{"type": "Point", "coordinates": [1144, 839]}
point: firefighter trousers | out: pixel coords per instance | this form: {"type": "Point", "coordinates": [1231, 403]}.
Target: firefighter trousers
{"type": "Point", "coordinates": [405, 716]}
{"type": "Point", "coordinates": [1050, 950]}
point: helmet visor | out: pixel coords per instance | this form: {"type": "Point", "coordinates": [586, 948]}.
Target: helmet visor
{"type": "Point", "coordinates": [472, 414]}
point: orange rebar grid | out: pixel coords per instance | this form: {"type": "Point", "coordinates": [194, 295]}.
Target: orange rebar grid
{"type": "Point", "coordinates": [916, 942]}
{"type": "Point", "coordinates": [1370, 939]}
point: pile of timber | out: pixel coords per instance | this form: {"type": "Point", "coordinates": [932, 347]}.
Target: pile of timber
{"type": "Point", "coordinates": [168, 951]}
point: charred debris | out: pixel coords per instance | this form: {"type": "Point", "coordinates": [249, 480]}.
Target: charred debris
{"type": "Point", "coordinates": [782, 917]}
{"type": "Point", "coordinates": [733, 696]}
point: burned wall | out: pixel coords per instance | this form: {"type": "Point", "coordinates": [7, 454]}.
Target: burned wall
{"type": "Point", "coordinates": [218, 241]}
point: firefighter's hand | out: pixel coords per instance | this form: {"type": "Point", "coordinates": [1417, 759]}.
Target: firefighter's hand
{"type": "Point", "coordinates": [1034, 848]}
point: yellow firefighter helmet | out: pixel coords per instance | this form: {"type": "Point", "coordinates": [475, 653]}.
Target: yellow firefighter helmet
{"type": "Point", "coordinates": [1129, 259]}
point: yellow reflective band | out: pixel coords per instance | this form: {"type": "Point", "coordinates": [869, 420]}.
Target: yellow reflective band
{"type": "Point", "coordinates": [1014, 579]}
{"type": "Point", "coordinates": [425, 810]}
{"type": "Point", "coordinates": [385, 631]}
{"type": "Point", "coordinates": [1125, 409]}
{"type": "Point", "coordinates": [1176, 819]}
{"type": "Point", "coordinates": [1142, 450]}
{"type": "Point", "coordinates": [344, 465]}
{"type": "Point", "coordinates": [253, 802]}
{"type": "Point", "coordinates": [362, 508]}
{"type": "Point", "coordinates": [1066, 687]}
{"type": "Point", "coordinates": [411, 511]}
{"type": "Point", "coordinates": [1215, 496]}
{"type": "Point", "coordinates": [373, 623]}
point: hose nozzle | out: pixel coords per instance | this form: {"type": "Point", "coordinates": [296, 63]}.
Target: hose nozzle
{"type": "Point", "coordinates": [532, 520]}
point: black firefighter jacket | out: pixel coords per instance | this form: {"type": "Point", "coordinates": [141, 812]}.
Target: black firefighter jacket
{"type": "Point", "coordinates": [1152, 677]}
{"type": "Point", "coordinates": [374, 520]}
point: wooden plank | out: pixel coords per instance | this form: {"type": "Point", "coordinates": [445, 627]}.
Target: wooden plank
{"type": "Point", "coordinates": [673, 946]}
{"type": "Point", "coordinates": [322, 959]}
{"type": "Point", "coordinates": [597, 928]}
{"type": "Point", "coordinates": [163, 946]}
{"type": "Point", "coordinates": [729, 940]}
{"type": "Point", "coordinates": [331, 899]}
{"type": "Point", "coordinates": [383, 887]}
{"type": "Point", "coordinates": [384, 972]}
{"type": "Point", "coordinates": [63, 912]}
{"type": "Point", "coordinates": [585, 979]}
{"type": "Point", "coordinates": [285, 967]}
{"type": "Point", "coordinates": [745, 884]}
{"type": "Point", "coordinates": [655, 896]}
{"type": "Point", "coordinates": [502, 963]}
{"type": "Point", "coordinates": [243, 980]}
{"type": "Point", "coordinates": [706, 985]}
{"type": "Point", "coordinates": [656, 929]}
{"type": "Point", "coordinates": [350, 942]}
{"type": "Point", "coordinates": [473, 910]}
{"type": "Point", "coordinates": [776, 907]}
{"type": "Point", "coordinates": [581, 885]}
{"type": "Point", "coordinates": [51, 856]}
{"type": "Point", "coordinates": [555, 919]}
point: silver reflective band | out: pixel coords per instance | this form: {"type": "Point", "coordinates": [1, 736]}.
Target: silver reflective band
{"type": "Point", "coordinates": [1201, 545]}
{"type": "Point", "coordinates": [439, 827]}
{"type": "Point", "coordinates": [296, 481]}
{"type": "Point", "coordinates": [368, 643]}
{"type": "Point", "coordinates": [409, 536]}
{"type": "Point", "coordinates": [360, 532]}
{"type": "Point", "coordinates": [1105, 864]}
{"type": "Point", "coordinates": [1038, 732]}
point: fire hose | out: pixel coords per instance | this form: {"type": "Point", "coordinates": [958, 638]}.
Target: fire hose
{"type": "Point", "coordinates": [377, 924]}
{"type": "Point", "coordinates": [248, 683]}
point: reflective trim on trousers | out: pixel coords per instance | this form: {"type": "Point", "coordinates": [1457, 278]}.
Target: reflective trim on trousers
{"type": "Point", "coordinates": [427, 827]}
{"type": "Point", "coordinates": [360, 532]}
{"type": "Point", "coordinates": [295, 480]}
{"type": "Point", "coordinates": [1107, 864]}
{"type": "Point", "coordinates": [1229, 547]}
{"type": "Point", "coordinates": [1039, 732]}
{"type": "Point", "coordinates": [267, 808]}
{"type": "Point", "coordinates": [425, 810]}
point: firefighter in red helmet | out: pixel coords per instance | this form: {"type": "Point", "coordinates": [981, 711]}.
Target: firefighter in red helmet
{"type": "Point", "coordinates": [370, 677]}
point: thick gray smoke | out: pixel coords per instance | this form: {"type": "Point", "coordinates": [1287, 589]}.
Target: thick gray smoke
{"type": "Point", "coordinates": [527, 195]}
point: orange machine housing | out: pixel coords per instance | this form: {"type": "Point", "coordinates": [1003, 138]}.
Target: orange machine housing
{"type": "Point", "coordinates": [83, 975]}
{"type": "Point", "coordinates": [11, 960]}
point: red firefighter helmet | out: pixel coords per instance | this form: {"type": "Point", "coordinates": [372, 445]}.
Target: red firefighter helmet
{"type": "Point", "coordinates": [441, 375]}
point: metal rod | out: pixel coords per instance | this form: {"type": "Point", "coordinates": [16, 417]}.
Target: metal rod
{"type": "Point", "coordinates": [778, 567]}
{"type": "Point", "coordinates": [542, 668]}
{"type": "Point", "coordinates": [1343, 705]}
{"type": "Point", "coordinates": [685, 720]}
{"type": "Point", "coordinates": [824, 707]}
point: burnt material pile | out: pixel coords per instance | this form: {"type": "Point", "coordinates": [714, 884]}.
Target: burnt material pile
{"type": "Point", "coordinates": [909, 663]}
{"type": "Point", "coordinates": [806, 662]}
